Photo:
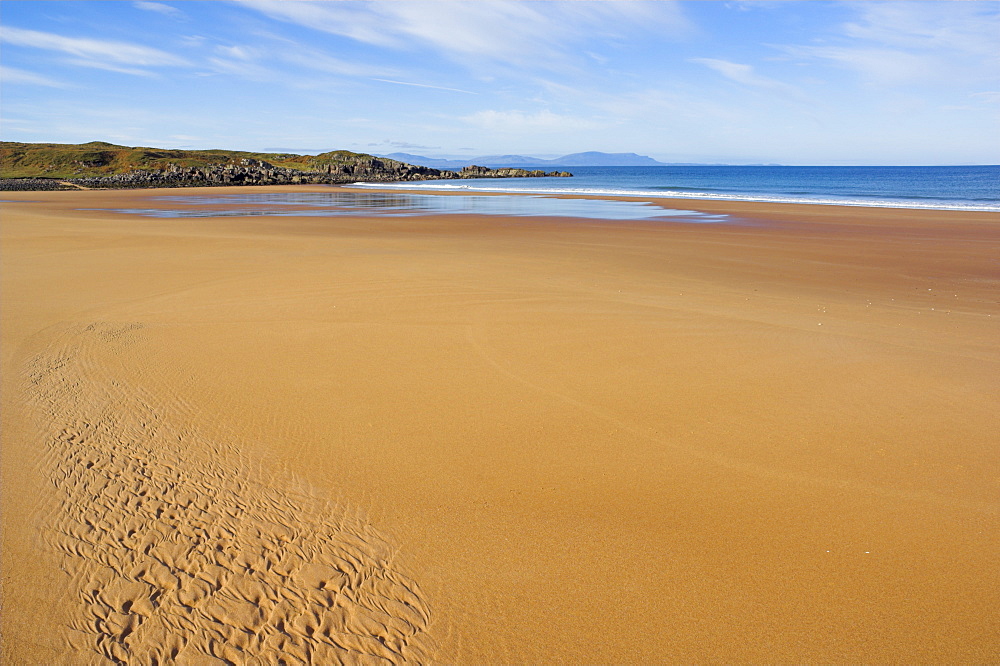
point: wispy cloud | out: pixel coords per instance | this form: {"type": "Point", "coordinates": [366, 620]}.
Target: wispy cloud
{"type": "Point", "coordinates": [102, 54]}
{"type": "Point", "coordinates": [650, 107]}
{"type": "Point", "coordinates": [338, 18]}
{"type": "Point", "coordinates": [515, 33]}
{"type": "Point", "coordinates": [12, 75]}
{"type": "Point", "coordinates": [745, 75]}
{"type": "Point", "coordinates": [748, 5]}
{"type": "Point", "coordinates": [519, 121]}
{"type": "Point", "coordinates": [109, 67]}
{"type": "Point", "coordinates": [988, 101]}
{"type": "Point", "coordinates": [969, 27]}
{"type": "Point", "coordinates": [237, 52]}
{"type": "Point", "coordinates": [877, 65]}
{"type": "Point", "coordinates": [900, 43]}
{"type": "Point", "coordinates": [323, 62]}
{"type": "Point", "coordinates": [267, 62]}
{"type": "Point", "coordinates": [424, 85]}
{"type": "Point", "coordinates": [401, 145]}
{"type": "Point", "coordinates": [244, 69]}
{"type": "Point", "coordinates": [987, 97]}
{"type": "Point", "coordinates": [160, 8]}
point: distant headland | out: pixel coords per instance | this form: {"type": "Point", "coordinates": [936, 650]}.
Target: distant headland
{"type": "Point", "coordinates": [101, 165]}
{"type": "Point", "coordinates": [591, 158]}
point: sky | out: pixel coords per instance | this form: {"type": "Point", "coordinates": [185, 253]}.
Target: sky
{"type": "Point", "coordinates": [898, 82]}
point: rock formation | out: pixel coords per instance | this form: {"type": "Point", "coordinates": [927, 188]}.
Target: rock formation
{"type": "Point", "coordinates": [258, 172]}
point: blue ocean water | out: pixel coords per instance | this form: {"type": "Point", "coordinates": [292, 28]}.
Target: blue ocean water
{"type": "Point", "coordinates": [936, 187]}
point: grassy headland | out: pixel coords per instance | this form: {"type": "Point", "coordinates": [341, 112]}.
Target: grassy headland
{"type": "Point", "coordinates": [100, 165]}
{"type": "Point", "coordinates": [99, 158]}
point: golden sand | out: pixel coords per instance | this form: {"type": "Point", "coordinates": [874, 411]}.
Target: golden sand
{"type": "Point", "coordinates": [467, 439]}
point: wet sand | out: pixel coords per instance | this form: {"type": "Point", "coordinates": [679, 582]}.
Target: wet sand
{"type": "Point", "coordinates": [473, 439]}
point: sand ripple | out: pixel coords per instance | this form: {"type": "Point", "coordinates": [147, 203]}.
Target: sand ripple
{"type": "Point", "coordinates": [177, 548]}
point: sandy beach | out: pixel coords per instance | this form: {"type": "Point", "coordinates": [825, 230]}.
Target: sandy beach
{"type": "Point", "coordinates": [480, 439]}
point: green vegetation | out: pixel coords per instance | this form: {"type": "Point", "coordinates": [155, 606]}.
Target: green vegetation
{"type": "Point", "coordinates": [98, 158]}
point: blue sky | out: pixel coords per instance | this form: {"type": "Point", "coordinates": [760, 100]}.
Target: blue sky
{"type": "Point", "coordinates": [895, 82]}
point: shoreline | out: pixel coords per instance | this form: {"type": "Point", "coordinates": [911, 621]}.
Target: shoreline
{"type": "Point", "coordinates": [870, 202]}
{"type": "Point", "coordinates": [646, 196]}
{"type": "Point", "coordinates": [650, 196]}
{"type": "Point", "coordinates": [734, 207]}
{"type": "Point", "coordinates": [479, 439]}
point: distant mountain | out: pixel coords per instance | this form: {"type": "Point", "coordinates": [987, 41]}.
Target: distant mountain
{"type": "Point", "coordinates": [606, 159]}
{"type": "Point", "coordinates": [482, 160]}
{"type": "Point", "coordinates": [514, 160]}
{"type": "Point", "coordinates": [428, 161]}
{"type": "Point", "coordinates": [591, 158]}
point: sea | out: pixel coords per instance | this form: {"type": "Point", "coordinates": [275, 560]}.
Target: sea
{"type": "Point", "coordinates": [968, 188]}
{"type": "Point", "coordinates": [973, 188]}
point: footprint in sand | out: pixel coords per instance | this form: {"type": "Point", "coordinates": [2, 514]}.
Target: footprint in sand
{"type": "Point", "coordinates": [178, 549]}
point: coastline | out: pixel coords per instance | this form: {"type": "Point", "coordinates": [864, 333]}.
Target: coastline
{"type": "Point", "coordinates": [734, 207]}
{"type": "Point", "coordinates": [652, 196]}
{"type": "Point", "coordinates": [567, 440]}
{"type": "Point", "coordinates": [935, 188]}
{"type": "Point", "coordinates": [737, 208]}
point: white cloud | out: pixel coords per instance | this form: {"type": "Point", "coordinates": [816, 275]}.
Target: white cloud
{"type": "Point", "coordinates": [520, 33]}
{"type": "Point", "coordinates": [969, 27]}
{"type": "Point", "coordinates": [745, 74]}
{"type": "Point", "coordinates": [901, 43]}
{"type": "Point", "coordinates": [193, 41]}
{"type": "Point", "coordinates": [597, 57]}
{"type": "Point", "coordinates": [243, 69]}
{"type": "Point", "coordinates": [748, 5]}
{"type": "Point", "coordinates": [878, 65]}
{"type": "Point", "coordinates": [263, 63]}
{"type": "Point", "coordinates": [322, 62]}
{"type": "Point", "coordinates": [988, 101]}
{"type": "Point", "coordinates": [338, 18]}
{"type": "Point", "coordinates": [238, 52]}
{"type": "Point", "coordinates": [108, 67]}
{"type": "Point", "coordinates": [401, 145]}
{"type": "Point", "coordinates": [160, 8]}
{"type": "Point", "coordinates": [9, 75]}
{"type": "Point", "coordinates": [424, 85]}
{"type": "Point", "coordinates": [659, 108]}
{"type": "Point", "coordinates": [116, 56]}
{"type": "Point", "coordinates": [518, 121]}
{"type": "Point", "coordinates": [987, 97]}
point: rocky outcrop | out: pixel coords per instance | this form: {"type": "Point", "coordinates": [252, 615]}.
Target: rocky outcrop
{"type": "Point", "coordinates": [258, 172]}
{"type": "Point", "coordinates": [33, 184]}
{"type": "Point", "coordinates": [508, 172]}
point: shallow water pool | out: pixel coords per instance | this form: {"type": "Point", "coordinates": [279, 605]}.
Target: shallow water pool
{"type": "Point", "coordinates": [397, 204]}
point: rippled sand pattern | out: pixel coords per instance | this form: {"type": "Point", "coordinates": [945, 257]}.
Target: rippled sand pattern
{"type": "Point", "coordinates": [181, 549]}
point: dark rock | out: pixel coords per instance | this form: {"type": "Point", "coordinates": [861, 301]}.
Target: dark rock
{"type": "Point", "coordinates": [506, 172]}
{"type": "Point", "coordinates": [33, 184]}
{"type": "Point", "coordinates": [258, 172]}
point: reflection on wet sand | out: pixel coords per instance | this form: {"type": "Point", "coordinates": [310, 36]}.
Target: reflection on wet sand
{"type": "Point", "coordinates": [392, 204]}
